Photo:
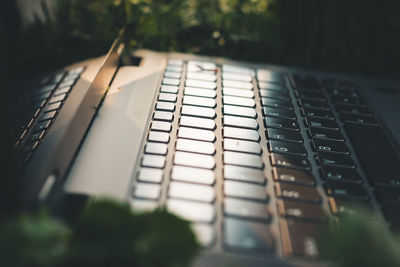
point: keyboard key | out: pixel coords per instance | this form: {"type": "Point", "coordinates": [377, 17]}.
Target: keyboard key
{"type": "Point", "coordinates": [40, 126]}
{"type": "Point", "coordinates": [198, 111]}
{"type": "Point", "coordinates": [201, 84]}
{"type": "Point", "coordinates": [147, 191]}
{"type": "Point", "coordinates": [297, 193]}
{"type": "Point", "coordinates": [194, 122]}
{"type": "Point", "coordinates": [269, 76]}
{"type": "Point", "coordinates": [246, 209]}
{"type": "Point", "coordinates": [308, 103]}
{"type": "Point", "coordinates": [335, 160]}
{"type": "Point", "coordinates": [245, 190]}
{"type": "Point", "coordinates": [244, 134]}
{"type": "Point", "coordinates": [239, 101]}
{"type": "Point", "coordinates": [301, 211]}
{"type": "Point", "coordinates": [204, 76]}
{"type": "Point", "coordinates": [300, 238]}
{"type": "Point", "coordinates": [293, 176]}
{"type": "Point", "coordinates": [272, 86]}
{"type": "Point", "coordinates": [58, 98]}
{"type": "Point", "coordinates": [173, 61]}
{"type": "Point", "coordinates": [169, 89]}
{"type": "Point", "coordinates": [158, 137]}
{"type": "Point", "coordinates": [246, 235]}
{"type": "Point", "coordinates": [235, 69]}
{"type": "Point", "coordinates": [167, 97]}
{"type": "Point", "coordinates": [343, 109]}
{"type": "Point", "coordinates": [150, 175]}
{"type": "Point", "coordinates": [143, 205]}
{"type": "Point", "coordinates": [330, 146]}
{"type": "Point", "coordinates": [243, 174]}
{"type": "Point", "coordinates": [237, 77]}
{"type": "Point", "coordinates": [197, 134]}
{"type": "Point", "coordinates": [67, 83]}
{"type": "Point", "coordinates": [62, 91]}
{"type": "Point", "coordinates": [195, 146]}
{"type": "Point", "coordinates": [325, 134]}
{"type": "Point", "coordinates": [194, 160]}
{"type": "Point", "coordinates": [199, 101]}
{"type": "Point", "coordinates": [312, 95]}
{"type": "Point", "coordinates": [163, 116]}
{"type": "Point", "coordinates": [274, 103]}
{"type": "Point", "coordinates": [287, 148]}
{"type": "Point", "coordinates": [349, 118]}
{"type": "Point", "coordinates": [337, 174]}
{"type": "Point", "coordinates": [154, 161]}
{"type": "Point", "coordinates": [376, 154]}
{"type": "Point", "coordinates": [201, 66]}
{"type": "Point", "coordinates": [237, 92]}
{"type": "Point", "coordinates": [346, 190]}
{"type": "Point", "coordinates": [173, 68]}
{"type": "Point", "coordinates": [242, 146]}
{"type": "Point", "coordinates": [237, 84]}
{"type": "Point", "coordinates": [279, 113]}
{"type": "Point", "coordinates": [192, 211]}
{"type": "Point", "coordinates": [305, 81]}
{"type": "Point", "coordinates": [321, 123]}
{"type": "Point", "coordinates": [289, 161]}
{"type": "Point", "coordinates": [52, 107]}
{"type": "Point", "coordinates": [274, 94]}
{"type": "Point", "coordinates": [192, 192]}
{"type": "Point", "coordinates": [156, 148]}
{"type": "Point", "coordinates": [239, 111]}
{"type": "Point", "coordinates": [171, 74]}
{"type": "Point", "coordinates": [47, 116]}
{"type": "Point", "coordinates": [316, 113]}
{"type": "Point", "coordinates": [192, 175]}
{"type": "Point", "coordinates": [342, 92]}
{"type": "Point", "coordinates": [205, 233]}
{"type": "Point", "coordinates": [284, 135]}
{"type": "Point", "coordinates": [347, 101]}
{"type": "Point", "coordinates": [165, 106]}
{"type": "Point", "coordinates": [171, 81]}
{"type": "Point", "coordinates": [241, 122]}
{"type": "Point", "coordinates": [200, 92]}
{"type": "Point", "coordinates": [242, 159]}
{"type": "Point", "coordinates": [161, 126]}
{"type": "Point", "coordinates": [281, 124]}
{"type": "Point", "coordinates": [347, 206]}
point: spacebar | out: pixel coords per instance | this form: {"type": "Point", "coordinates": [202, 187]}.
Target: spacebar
{"type": "Point", "coordinates": [380, 161]}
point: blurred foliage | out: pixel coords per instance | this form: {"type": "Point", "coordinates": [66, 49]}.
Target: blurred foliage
{"type": "Point", "coordinates": [75, 29]}
{"type": "Point", "coordinates": [360, 239]}
{"type": "Point", "coordinates": [106, 234]}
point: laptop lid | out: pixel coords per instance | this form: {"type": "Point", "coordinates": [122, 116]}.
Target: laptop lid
{"type": "Point", "coordinates": [41, 182]}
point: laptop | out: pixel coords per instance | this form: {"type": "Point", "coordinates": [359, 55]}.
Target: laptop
{"type": "Point", "coordinates": [258, 157]}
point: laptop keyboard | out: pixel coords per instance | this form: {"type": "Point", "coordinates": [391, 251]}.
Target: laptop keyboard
{"type": "Point", "coordinates": [205, 160]}
{"type": "Point", "coordinates": [37, 109]}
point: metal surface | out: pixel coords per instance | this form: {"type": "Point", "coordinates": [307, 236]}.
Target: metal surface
{"type": "Point", "coordinates": [61, 144]}
{"type": "Point", "coordinates": [91, 177]}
